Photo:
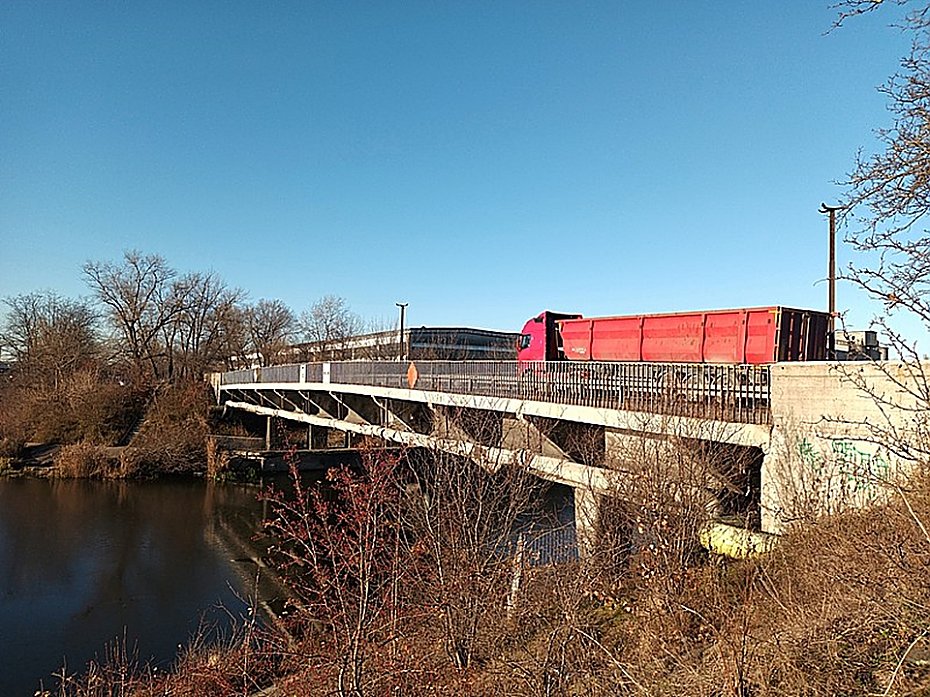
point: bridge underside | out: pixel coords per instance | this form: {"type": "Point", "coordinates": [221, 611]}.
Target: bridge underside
{"type": "Point", "coordinates": [595, 450]}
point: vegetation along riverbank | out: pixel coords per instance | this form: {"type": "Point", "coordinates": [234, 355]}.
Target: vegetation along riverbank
{"type": "Point", "coordinates": [112, 385]}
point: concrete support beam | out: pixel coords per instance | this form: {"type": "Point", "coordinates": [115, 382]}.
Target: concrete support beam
{"type": "Point", "coordinates": [484, 428]}
{"type": "Point", "coordinates": [591, 485]}
{"type": "Point", "coordinates": [522, 434]}
{"type": "Point", "coordinates": [414, 416]}
{"type": "Point", "coordinates": [362, 409]}
{"type": "Point", "coordinates": [326, 404]}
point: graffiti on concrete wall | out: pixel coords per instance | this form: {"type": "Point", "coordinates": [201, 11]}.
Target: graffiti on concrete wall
{"type": "Point", "coordinates": [856, 469]}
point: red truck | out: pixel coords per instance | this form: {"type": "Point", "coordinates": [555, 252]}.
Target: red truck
{"type": "Point", "coordinates": [753, 336]}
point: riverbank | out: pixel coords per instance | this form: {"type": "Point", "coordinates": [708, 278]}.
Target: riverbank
{"type": "Point", "coordinates": [36, 460]}
{"type": "Point", "coordinates": [107, 430]}
{"type": "Point", "coordinates": [84, 460]}
{"type": "Point", "coordinates": [179, 432]}
{"type": "Point", "coordinates": [43, 461]}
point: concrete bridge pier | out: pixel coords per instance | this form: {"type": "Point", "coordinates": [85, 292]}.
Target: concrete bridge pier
{"type": "Point", "coordinates": [587, 519]}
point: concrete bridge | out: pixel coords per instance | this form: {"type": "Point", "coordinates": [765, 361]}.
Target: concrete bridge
{"type": "Point", "coordinates": [787, 441]}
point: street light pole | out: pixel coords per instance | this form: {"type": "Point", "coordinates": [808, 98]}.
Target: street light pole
{"type": "Point", "coordinates": [831, 279]}
{"type": "Point", "coordinates": [403, 310]}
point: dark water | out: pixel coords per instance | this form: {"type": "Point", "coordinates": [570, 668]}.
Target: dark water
{"type": "Point", "coordinates": [85, 563]}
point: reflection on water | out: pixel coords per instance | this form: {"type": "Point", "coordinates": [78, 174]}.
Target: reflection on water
{"type": "Point", "coordinates": [82, 563]}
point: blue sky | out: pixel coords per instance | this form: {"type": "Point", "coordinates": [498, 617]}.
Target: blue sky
{"type": "Point", "coordinates": [480, 160]}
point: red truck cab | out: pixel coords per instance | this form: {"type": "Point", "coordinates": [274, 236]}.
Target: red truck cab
{"type": "Point", "coordinates": [540, 339]}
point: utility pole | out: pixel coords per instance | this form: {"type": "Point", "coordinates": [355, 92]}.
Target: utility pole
{"type": "Point", "coordinates": [403, 310]}
{"type": "Point", "coordinates": [831, 279]}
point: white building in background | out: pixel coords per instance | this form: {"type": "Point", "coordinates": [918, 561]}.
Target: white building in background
{"type": "Point", "coordinates": [419, 343]}
{"type": "Point", "coordinates": [859, 346]}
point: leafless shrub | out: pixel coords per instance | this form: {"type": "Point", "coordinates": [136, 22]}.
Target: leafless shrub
{"type": "Point", "coordinates": [103, 410]}
{"type": "Point", "coordinates": [118, 673]}
{"type": "Point", "coordinates": [217, 460]}
{"type": "Point", "coordinates": [86, 407]}
{"type": "Point", "coordinates": [665, 493]}
{"type": "Point", "coordinates": [338, 550]}
{"type": "Point", "coordinates": [465, 520]}
{"type": "Point", "coordinates": [245, 661]}
{"type": "Point", "coordinates": [173, 436]}
{"type": "Point", "coordinates": [846, 597]}
{"type": "Point", "coordinates": [85, 461]}
{"type": "Point", "coordinates": [835, 610]}
{"type": "Point", "coordinates": [558, 640]}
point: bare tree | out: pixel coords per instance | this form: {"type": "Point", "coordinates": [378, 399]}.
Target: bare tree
{"type": "Point", "coordinates": [208, 312]}
{"type": "Point", "coordinates": [847, 9]}
{"type": "Point", "coordinates": [48, 335]}
{"type": "Point", "coordinates": [170, 327]}
{"type": "Point", "coordinates": [234, 341]}
{"type": "Point", "coordinates": [889, 191]}
{"type": "Point", "coordinates": [141, 304]}
{"type": "Point", "coordinates": [270, 325]}
{"type": "Point", "coordinates": [886, 209]}
{"type": "Point", "coordinates": [327, 325]}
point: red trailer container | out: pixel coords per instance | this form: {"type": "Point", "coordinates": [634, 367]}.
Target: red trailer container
{"type": "Point", "coordinates": [754, 335]}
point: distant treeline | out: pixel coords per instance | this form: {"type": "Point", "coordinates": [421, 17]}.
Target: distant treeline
{"type": "Point", "coordinates": [88, 369]}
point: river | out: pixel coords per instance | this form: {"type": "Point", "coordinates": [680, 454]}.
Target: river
{"type": "Point", "coordinates": [84, 563]}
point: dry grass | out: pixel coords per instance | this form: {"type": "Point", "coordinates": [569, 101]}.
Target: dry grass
{"type": "Point", "coordinates": [84, 460]}
{"type": "Point", "coordinates": [173, 437]}
{"type": "Point", "coordinates": [217, 460]}
{"type": "Point", "coordinates": [86, 408]}
{"type": "Point", "coordinates": [89, 410]}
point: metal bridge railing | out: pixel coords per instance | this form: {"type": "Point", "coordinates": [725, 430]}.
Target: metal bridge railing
{"type": "Point", "coordinates": [237, 377]}
{"type": "Point", "coordinates": [735, 393]}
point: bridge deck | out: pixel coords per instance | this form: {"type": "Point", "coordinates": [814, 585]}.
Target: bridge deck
{"type": "Point", "coordinates": [727, 393]}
